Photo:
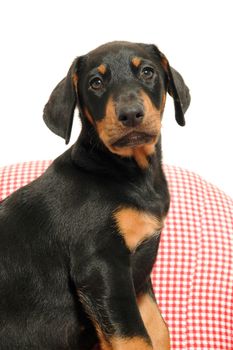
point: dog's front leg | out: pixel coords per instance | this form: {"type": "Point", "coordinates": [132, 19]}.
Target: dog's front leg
{"type": "Point", "coordinates": [105, 288]}
{"type": "Point", "coordinates": [152, 318]}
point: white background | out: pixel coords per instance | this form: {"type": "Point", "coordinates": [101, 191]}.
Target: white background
{"type": "Point", "coordinates": [39, 40]}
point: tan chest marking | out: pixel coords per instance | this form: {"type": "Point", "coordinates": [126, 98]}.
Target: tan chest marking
{"type": "Point", "coordinates": [135, 225]}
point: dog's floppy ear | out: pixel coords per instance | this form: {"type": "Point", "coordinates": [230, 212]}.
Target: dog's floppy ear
{"type": "Point", "coordinates": [59, 110]}
{"type": "Point", "coordinates": [177, 89]}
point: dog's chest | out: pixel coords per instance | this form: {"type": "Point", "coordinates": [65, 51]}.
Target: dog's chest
{"type": "Point", "coordinates": [141, 218]}
{"type": "Point", "coordinates": [143, 259]}
{"type": "Point", "coordinates": [137, 225]}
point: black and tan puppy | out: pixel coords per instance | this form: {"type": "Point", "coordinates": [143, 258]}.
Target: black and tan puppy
{"type": "Point", "coordinates": [78, 244]}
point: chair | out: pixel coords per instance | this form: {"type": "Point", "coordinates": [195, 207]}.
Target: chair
{"type": "Point", "coordinates": [193, 274]}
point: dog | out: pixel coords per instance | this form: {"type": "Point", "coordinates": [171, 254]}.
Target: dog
{"type": "Point", "coordinates": [78, 244]}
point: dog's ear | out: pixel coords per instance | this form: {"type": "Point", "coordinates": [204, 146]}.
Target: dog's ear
{"type": "Point", "coordinates": [59, 110]}
{"type": "Point", "coordinates": [176, 88]}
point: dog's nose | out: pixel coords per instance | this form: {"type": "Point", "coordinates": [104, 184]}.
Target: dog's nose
{"type": "Point", "coordinates": [131, 116]}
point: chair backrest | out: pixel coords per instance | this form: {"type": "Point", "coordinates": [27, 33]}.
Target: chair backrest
{"type": "Point", "coordinates": [193, 274]}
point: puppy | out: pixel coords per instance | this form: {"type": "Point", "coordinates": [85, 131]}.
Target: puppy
{"type": "Point", "coordinates": [78, 244]}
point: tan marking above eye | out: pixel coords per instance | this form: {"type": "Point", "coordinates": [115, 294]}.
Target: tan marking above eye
{"type": "Point", "coordinates": [135, 226]}
{"type": "Point", "coordinates": [102, 69]}
{"type": "Point", "coordinates": [136, 61]}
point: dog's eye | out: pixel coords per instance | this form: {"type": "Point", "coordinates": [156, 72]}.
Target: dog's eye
{"type": "Point", "coordinates": [147, 73]}
{"type": "Point", "coordinates": [96, 83]}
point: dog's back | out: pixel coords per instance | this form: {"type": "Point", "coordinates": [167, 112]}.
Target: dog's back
{"type": "Point", "coordinates": [37, 298]}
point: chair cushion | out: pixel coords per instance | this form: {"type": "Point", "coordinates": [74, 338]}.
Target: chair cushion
{"type": "Point", "coordinates": [193, 274]}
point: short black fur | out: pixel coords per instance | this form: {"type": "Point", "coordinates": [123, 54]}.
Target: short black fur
{"type": "Point", "coordinates": [63, 264]}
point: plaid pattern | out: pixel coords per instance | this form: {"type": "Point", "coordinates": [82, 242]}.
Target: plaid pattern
{"type": "Point", "coordinates": [193, 274]}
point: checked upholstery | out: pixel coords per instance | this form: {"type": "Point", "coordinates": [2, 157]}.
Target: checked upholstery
{"type": "Point", "coordinates": [193, 274]}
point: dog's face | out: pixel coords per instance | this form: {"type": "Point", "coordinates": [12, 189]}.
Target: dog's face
{"type": "Point", "coordinates": [120, 89]}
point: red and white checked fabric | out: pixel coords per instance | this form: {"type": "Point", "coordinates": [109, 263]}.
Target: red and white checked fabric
{"type": "Point", "coordinates": [193, 274]}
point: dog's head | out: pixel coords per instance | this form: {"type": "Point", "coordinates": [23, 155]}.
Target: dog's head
{"type": "Point", "coordinates": [120, 89]}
